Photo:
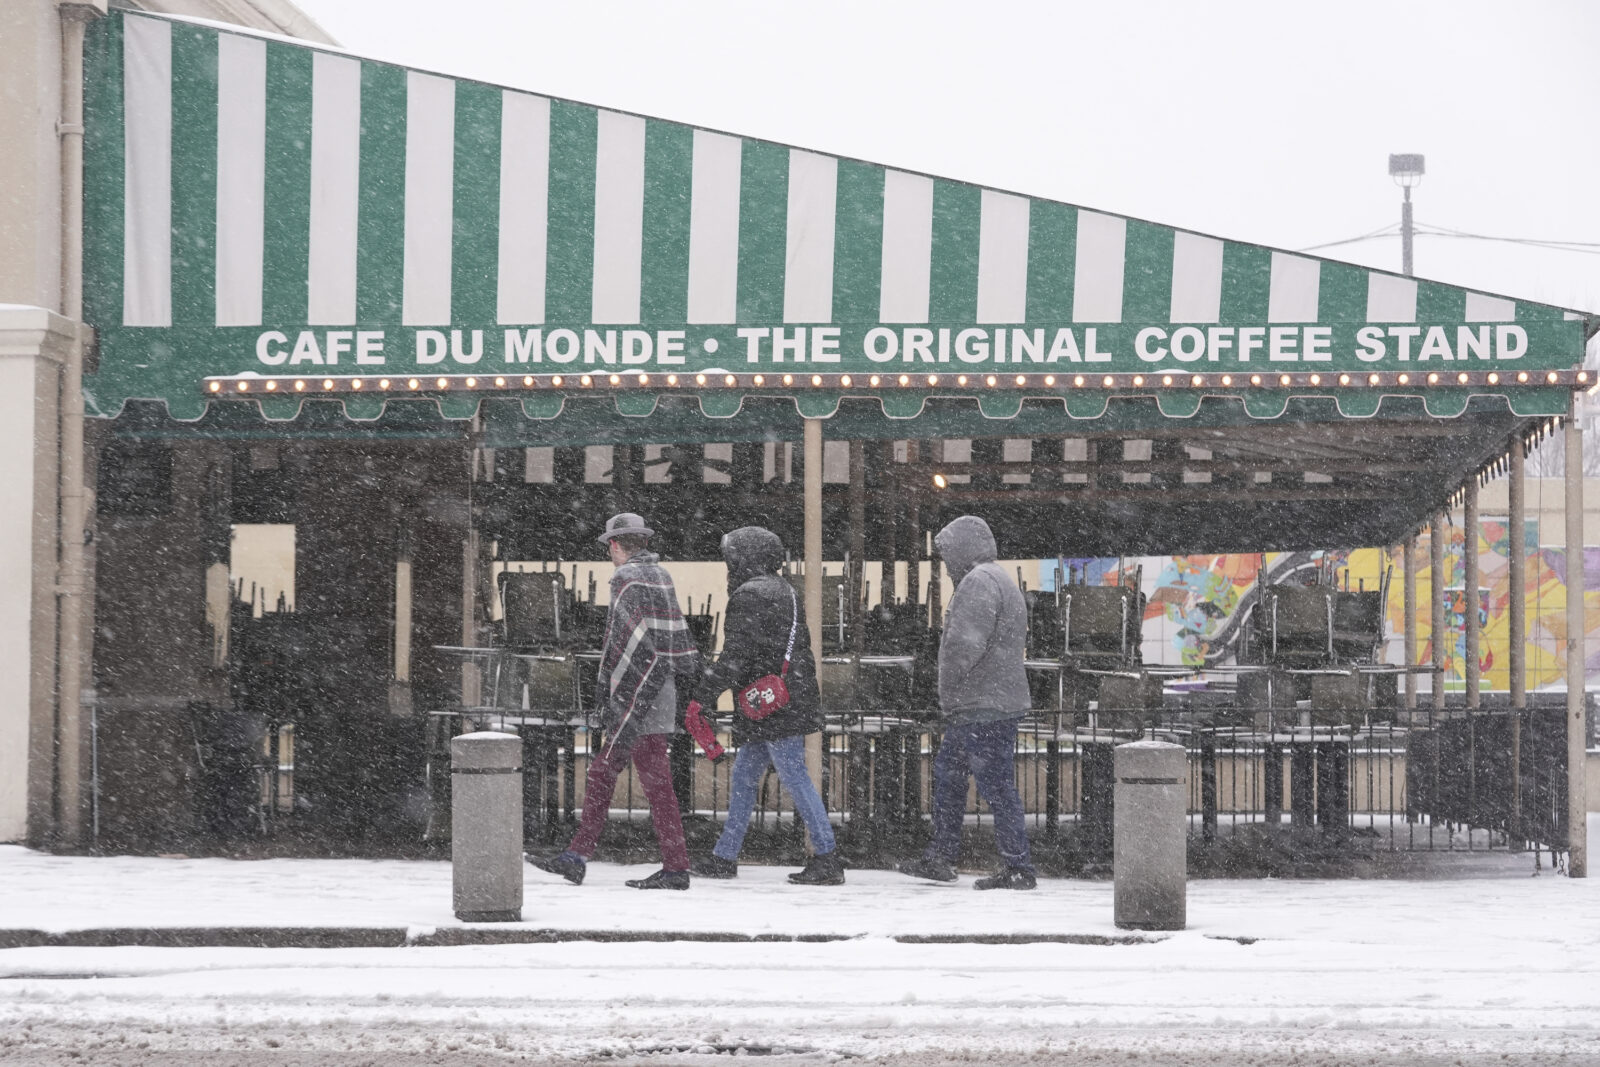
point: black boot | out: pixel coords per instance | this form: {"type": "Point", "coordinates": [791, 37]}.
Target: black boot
{"type": "Point", "coordinates": [827, 869]}
{"type": "Point", "coordinates": [662, 879]}
{"type": "Point", "coordinates": [932, 868]}
{"type": "Point", "coordinates": [1008, 878]}
{"type": "Point", "coordinates": [568, 865]}
{"type": "Point", "coordinates": [714, 866]}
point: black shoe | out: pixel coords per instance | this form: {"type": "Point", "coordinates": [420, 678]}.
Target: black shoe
{"type": "Point", "coordinates": [1008, 878]}
{"type": "Point", "coordinates": [568, 865]}
{"type": "Point", "coordinates": [662, 879]}
{"type": "Point", "coordinates": [930, 867]}
{"type": "Point", "coordinates": [821, 870]}
{"type": "Point", "coordinates": [714, 866]}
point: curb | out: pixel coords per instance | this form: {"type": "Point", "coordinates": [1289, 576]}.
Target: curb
{"type": "Point", "coordinates": [456, 936]}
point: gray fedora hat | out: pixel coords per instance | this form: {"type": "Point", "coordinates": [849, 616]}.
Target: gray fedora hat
{"type": "Point", "coordinates": [625, 523]}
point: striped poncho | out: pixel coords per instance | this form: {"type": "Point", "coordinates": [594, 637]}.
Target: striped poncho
{"type": "Point", "coordinates": [647, 641]}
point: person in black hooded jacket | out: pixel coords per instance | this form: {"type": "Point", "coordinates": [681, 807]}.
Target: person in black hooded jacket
{"type": "Point", "coordinates": [764, 625]}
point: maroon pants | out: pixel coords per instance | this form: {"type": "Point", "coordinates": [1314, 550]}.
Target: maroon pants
{"type": "Point", "coordinates": [649, 755]}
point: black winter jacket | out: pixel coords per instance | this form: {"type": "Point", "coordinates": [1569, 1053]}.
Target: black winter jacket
{"type": "Point", "coordinates": [761, 607]}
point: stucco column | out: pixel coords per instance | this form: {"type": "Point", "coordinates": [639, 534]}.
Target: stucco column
{"type": "Point", "coordinates": [34, 344]}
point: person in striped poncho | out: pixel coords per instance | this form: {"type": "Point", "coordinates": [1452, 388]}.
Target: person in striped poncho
{"type": "Point", "coordinates": [648, 652]}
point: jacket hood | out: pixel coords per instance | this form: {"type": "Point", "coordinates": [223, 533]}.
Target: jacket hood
{"type": "Point", "coordinates": [750, 551]}
{"type": "Point", "coordinates": [963, 544]}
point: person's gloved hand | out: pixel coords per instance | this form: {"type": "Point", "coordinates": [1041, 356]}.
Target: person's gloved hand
{"type": "Point", "coordinates": [702, 732]}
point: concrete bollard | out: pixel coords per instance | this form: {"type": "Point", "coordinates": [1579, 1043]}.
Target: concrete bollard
{"type": "Point", "coordinates": [486, 826]}
{"type": "Point", "coordinates": [1150, 862]}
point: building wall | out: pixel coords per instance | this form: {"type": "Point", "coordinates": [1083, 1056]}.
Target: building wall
{"type": "Point", "coordinates": [30, 172]}
{"type": "Point", "coordinates": [31, 354]}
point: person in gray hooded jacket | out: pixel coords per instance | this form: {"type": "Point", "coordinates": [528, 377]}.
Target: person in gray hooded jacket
{"type": "Point", "coordinates": [983, 694]}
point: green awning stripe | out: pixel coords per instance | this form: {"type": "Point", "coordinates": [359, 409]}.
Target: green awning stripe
{"type": "Point", "coordinates": [857, 257]}
{"type": "Point", "coordinates": [1147, 273]}
{"type": "Point", "coordinates": [380, 227]}
{"type": "Point", "coordinates": [664, 280]}
{"type": "Point", "coordinates": [763, 233]}
{"type": "Point", "coordinates": [475, 245]}
{"type": "Point", "coordinates": [1440, 303]}
{"type": "Point", "coordinates": [570, 241]}
{"type": "Point", "coordinates": [1052, 236]}
{"type": "Point", "coordinates": [103, 181]}
{"type": "Point", "coordinates": [286, 235]}
{"type": "Point", "coordinates": [1342, 296]}
{"type": "Point", "coordinates": [194, 175]}
{"type": "Point", "coordinates": [1246, 282]}
{"type": "Point", "coordinates": [953, 273]}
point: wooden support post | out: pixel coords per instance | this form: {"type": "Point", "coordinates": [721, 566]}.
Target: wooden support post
{"type": "Point", "coordinates": [1409, 592]}
{"type": "Point", "coordinates": [1577, 784]}
{"type": "Point", "coordinates": [813, 554]}
{"type": "Point", "coordinates": [1437, 534]}
{"type": "Point", "coordinates": [1518, 639]}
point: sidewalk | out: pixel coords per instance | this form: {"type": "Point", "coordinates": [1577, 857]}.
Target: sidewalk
{"type": "Point", "coordinates": [121, 900]}
{"type": "Point", "coordinates": [1484, 962]}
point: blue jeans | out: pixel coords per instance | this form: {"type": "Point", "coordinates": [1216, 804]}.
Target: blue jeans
{"type": "Point", "coordinates": [987, 751]}
{"type": "Point", "coordinates": [787, 756]}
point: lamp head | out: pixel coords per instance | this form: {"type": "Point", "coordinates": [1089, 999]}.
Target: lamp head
{"type": "Point", "coordinates": [1406, 170]}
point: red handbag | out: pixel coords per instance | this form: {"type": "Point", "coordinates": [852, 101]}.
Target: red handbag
{"type": "Point", "coordinates": [770, 693]}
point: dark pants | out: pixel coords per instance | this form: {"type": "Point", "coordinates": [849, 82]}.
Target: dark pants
{"type": "Point", "coordinates": [986, 751]}
{"type": "Point", "coordinates": [649, 755]}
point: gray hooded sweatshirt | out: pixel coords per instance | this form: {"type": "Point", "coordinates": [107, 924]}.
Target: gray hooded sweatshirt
{"type": "Point", "coordinates": [981, 677]}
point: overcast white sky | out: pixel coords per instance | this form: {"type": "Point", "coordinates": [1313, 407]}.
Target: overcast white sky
{"type": "Point", "coordinates": [1260, 121]}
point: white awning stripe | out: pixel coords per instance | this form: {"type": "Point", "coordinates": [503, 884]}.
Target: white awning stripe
{"type": "Point", "coordinates": [903, 292]}
{"type": "Point", "coordinates": [1196, 278]}
{"type": "Point", "coordinates": [714, 228]}
{"type": "Point", "coordinates": [430, 198]}
{"type": "Point", "coordinates": [524, 206]}
{"type": "Point", "coordinates": [618, 218]}
{"type": "Point", "coordinates": [241, 177]}
{"type": "Point", "coordinates": [335, 189]}
{"type": "Point", "coordinates": [1101, 254]}
{"type": "Point", "coordinates": [1003, 258]}
{"type": "Point", "coordinates": [808, 253]}
{"type": "Point", "coordinates": [1296, 285]}
{"type": "Point", "coordinates": [147, 174]}
{"type": "Point", "coordinates": [1391, 298]}
{"type": "Point", "coordinates": [1482, 308]}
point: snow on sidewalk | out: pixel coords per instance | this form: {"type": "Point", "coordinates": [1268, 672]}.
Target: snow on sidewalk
{"type": "Point", "coordinates": [67, 893]}
{"type": "Point", "coordinates": [1498, 963]}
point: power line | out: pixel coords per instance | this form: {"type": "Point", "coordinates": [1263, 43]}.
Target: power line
{"type": "Point", "coordinates": [1587, 248]}
{"type": "Point", "coordinates": [1390, 230]}
{"type": "Point", "coordinates": [1554, 242]}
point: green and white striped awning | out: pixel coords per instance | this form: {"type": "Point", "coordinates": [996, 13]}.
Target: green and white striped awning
{"type": "Point", "coordinates": [264, 212]}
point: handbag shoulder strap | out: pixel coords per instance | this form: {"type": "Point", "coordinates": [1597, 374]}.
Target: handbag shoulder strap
{"type": "Point", "coordinates": [794, 625]}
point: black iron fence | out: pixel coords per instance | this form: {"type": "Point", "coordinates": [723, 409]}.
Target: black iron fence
{"type": "Point", "coordinates": [1487, 780]}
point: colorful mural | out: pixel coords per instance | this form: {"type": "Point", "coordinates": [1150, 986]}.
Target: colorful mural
{"type": "Point", "coordinates": [1193, 610]}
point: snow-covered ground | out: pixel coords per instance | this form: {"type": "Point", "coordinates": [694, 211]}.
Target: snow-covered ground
{"type": "Point", "coordinates": [1486, 963]}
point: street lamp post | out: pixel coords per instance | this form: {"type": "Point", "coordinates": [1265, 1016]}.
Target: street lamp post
{"type": "Point", "coordinates": [1406, 170]}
